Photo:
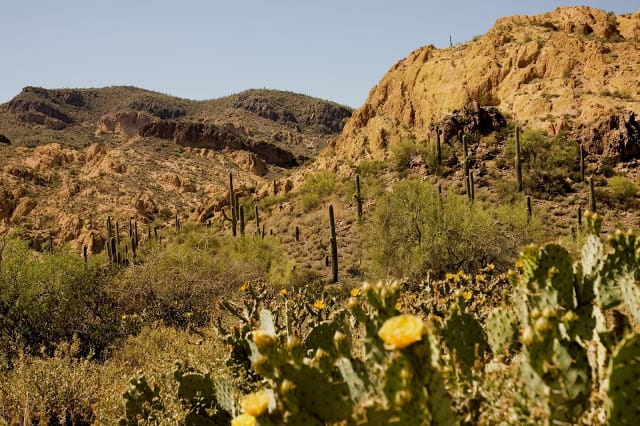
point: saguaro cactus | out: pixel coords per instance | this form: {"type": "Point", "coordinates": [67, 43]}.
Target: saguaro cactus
{"type": "Point", "coordinates": [438, 147]}
{"type": "Point", "coordinates": [580, 216]}
{"type": "Point", "coordinates": [358, 199]}
{"type": "Point", "coordinates": [581, 163]}
{"type": "Point", "coordinates": [241, 209]}
{"type": "Point", "coordinates": [465, 147]}
{"type": "Point", "coordinates": [334, 246]}
{"type": "Point", "coordinates": [518, 163]}
{"type": "Point", "coordinates": [529, 210]}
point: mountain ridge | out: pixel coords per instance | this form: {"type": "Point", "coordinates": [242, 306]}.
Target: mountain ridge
{"type": "Point", "coordinates": [560, 71]}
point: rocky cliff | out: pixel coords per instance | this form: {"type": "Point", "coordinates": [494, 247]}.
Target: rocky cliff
{"type": "Point", "coordinates": [568, 70]}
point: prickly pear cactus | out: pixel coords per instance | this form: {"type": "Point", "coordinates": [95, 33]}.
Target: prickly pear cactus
{"type": "Point", "coordinates": [464, 338]}
{"type": "Point", "coordinates": [141, 401]}
{"type": "Point", "coordinates": [502, 330]}
{"type": "Point", "coordinates": [624, 383]}
{"type": "Point", "coordinates": [197, 393]}
{"type": "Point", "coordinates": [547, 273]}
{"type": "Point", "coordinates": [322, 336]}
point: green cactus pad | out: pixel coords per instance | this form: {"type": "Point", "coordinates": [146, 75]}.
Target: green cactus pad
{"type": "Point", "coordinates": [624, 383]}
{"type": "Point", "coordinates": [502, 330]}
{"type": "Point", "coordinates": [354, 374]}
{"type": "Point", "coordinates": [465, 339]}
{"type": "Point", "coordinates": [321, 336]}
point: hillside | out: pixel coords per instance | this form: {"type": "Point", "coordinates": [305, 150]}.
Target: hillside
{"type": "Point", "coordinates": [570, 70]}
{"type": "Point", "coordinates": [70, 157]}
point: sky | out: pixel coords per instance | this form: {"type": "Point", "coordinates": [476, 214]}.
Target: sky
{"type": "Point", "coordinates": [203, 49]}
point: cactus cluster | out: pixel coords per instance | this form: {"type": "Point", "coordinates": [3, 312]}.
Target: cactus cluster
{"type": "Point", "coordinates": [319, 361]}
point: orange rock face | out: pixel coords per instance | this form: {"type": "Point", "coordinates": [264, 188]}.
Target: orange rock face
{"type": "Point", "coordinates": [557, 71]}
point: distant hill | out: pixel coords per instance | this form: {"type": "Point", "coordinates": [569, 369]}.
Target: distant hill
{"type": "Point", "coordinates": [71, 157]}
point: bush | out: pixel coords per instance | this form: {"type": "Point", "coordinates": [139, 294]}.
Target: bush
{"type": "Point", "coordinates": [180, 282]}
{"type": "Point", "coordinates": [621, 189]}
{"type": "Point", "coordinates": [408, 151]}
{"type": "Point", "coordinates": [547, 162]}
{"type": "Point", "coordinates": [48, 298]}
{"type": "Point", "coordinates": [315, 187]}
{"type": "Point", "coordinates": [412, 232]}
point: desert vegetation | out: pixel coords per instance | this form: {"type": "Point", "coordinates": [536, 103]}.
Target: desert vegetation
{"type": "Point", "coordinates": [166, 261]}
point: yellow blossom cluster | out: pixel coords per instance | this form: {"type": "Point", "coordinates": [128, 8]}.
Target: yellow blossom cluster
{"type": "Point", "coordinates": [401, 331]}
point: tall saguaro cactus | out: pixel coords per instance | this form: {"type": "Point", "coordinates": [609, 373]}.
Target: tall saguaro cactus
{"type": "Point", "coordinates": [581, 163]}
{"type": "Point", "coordinates": [518, 163]}
{"type": "Point", "coordinates": [334, 246]}
{"type": "Point", "coordinates": [438, 147]}
{"type": "Point", "coordinates": [358, 198]}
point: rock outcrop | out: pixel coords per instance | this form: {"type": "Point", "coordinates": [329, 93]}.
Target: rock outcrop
{"type": "Point", "coordinates": [555, 71]}
{"type": "Point", "coordinates": [473, 119]}
{"type": "Point", "coordinates": [5, 140]}
{"type": "Point", "coordinates": [127, 124]}
{"type": "Point", "coordinates": [616, 136]}
{"type": "Point", "coordinates": [217, 138]}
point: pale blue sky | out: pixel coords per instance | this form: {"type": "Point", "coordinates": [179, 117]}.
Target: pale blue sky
{"type": "Point", "coordinates": [202, 49]}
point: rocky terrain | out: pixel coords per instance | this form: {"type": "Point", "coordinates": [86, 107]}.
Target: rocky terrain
{"type": "Point", "coordinates": [70, 157]}
{"type": "Point", "coordinates": [571, 70]}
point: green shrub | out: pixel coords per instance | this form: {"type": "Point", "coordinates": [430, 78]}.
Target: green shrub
{"type": "Point", "coordinates": [408, 150]}
{"type": "Point", "coordinates": [621, 189]}
{"type": "Point", "coordinates": [412, 232]}
{"type": "Point", "coordinates": [48, 298]}
{"type": "Point", "coordinates": [180, 282]}
{"type": "Point", "coordinates": [316, 186]}
{"type": "Point", "coordinates": [547, 162]}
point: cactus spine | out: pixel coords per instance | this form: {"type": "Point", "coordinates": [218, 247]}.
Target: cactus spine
{"type": "Point", "coordinates": [592, 196]}
{"type": "Point", "coordinates": [518, 163]}
{"type": "Point", "coordinates": [334, 247]}
{"type": "Point", "coordinates": [358, 198]}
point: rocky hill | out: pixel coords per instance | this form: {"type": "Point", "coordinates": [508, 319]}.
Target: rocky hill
{"type": "Point", "coordinates": [571, 70]}
{"type": "Point", "coordinates": [70, 157]}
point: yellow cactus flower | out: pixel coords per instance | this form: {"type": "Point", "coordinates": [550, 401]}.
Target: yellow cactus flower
{"type": "Point", "coordinates": [398, 306]}
{"type": "Point", "coordinates": [244, 287]}
{"type": "Point", "coordinates": [263, 340]}
{"type": "Point", "coordinates": [244, 420]}
{"type": "Point", "coordinates": [124, 318]}
{"type": "Point", "coordinates": [490, 267]}
{"type": "Point", "coordinates": [283, 292]}
{"type": "Point", "coordinates": [479, 278]}
{"type": "Point", "coordinates": [467, 295]}
{"type": "Point", "coordinates": [256, 403]}
{"type": "Point", "coordinates": [355, 292]}
{"type": "Point", "coordinates": [318, 304]}
{"type": "Point", "coordinates": [401, 331]}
